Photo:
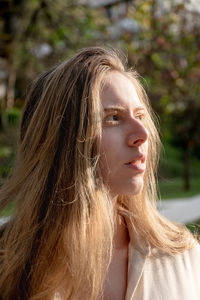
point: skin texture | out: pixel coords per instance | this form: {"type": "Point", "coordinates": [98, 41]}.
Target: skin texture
{"type": "Point", "coordinates": [124, 136]}
{"type": "Point", "coordinates": [124, 140]}
{"type": "Point", "coordinates": [116, 280]}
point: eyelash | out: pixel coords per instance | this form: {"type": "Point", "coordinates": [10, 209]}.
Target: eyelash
{"type": "Point", "coordinates": [112, 121]}
{"type": "Point", "coordinates": [139, 117]}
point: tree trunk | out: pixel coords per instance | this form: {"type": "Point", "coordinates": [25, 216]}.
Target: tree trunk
{"type": "Point", "coordinates": [10, 93]}
{"type": "Point", "coordinates": [186, 175]}
{"type": "Point", "coordinates": [3, 121]}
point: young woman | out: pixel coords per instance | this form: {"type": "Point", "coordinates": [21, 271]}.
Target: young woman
{"type": "Point", "coordinates": [85, 225]}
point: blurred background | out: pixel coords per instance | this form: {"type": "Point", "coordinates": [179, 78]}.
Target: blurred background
{"type": "Point", "coordinates": [161, 40]}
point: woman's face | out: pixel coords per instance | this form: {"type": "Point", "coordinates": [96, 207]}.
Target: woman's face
{"type": "Point", "coordinates": [124, 144]}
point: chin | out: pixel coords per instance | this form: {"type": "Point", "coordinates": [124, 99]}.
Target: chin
{"type": "Point", "coordinates": [133, 188]}
{"type": "Point", "coordinates": [134, 191]}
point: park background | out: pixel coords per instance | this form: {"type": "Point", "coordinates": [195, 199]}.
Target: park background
{"type": "Point", "coordinates": [161, 40]}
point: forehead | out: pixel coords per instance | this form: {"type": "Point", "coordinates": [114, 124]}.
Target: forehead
{"type": "Point", "coordinates": [118, 90]}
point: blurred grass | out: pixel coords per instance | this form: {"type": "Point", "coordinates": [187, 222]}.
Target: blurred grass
{"type": "Point", "coordinates": [8, 148]}
{"type": "Point", "coordinates": [172, 163]}
{"type": "Point", "coordinates": [8, 210]}
{"type": "Point", "coordinates": [171, 170]}
{"type": "Point", "coordinates": [173, 188]}
{"type": "Point", "coordinates": [194, 227]}
{"type": "Point", "coordinates": [8, 142]}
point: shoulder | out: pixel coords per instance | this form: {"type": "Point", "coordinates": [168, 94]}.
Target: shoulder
{"type": "Point", "coordinates": [180, 272]}
{"type": "Point", "coordinates": [193, 255]}
{"type": "Point", "coordinates": [166, 276]}
{"type": "Point", "coordinates": [159, 275]}
{"type": "Point", "coordinates": [188, 258]}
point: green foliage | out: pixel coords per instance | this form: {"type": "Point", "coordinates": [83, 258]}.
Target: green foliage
{"type": "Point", "coordinates": [173, 188]}
{"type": "Point", "coordinates": [5, 152]}
{"type": "Point", "coordinates": [60, 26]}
{"type": "Point", "coordinates": [158, 60]}
{"type": "Point", "coordinates": [6, 162]}
{"type": "Point", "coordinates": [8, 145]}
{"type": "Point", "coordinates": [194, 228]}
{"type": "Point", "coordinates": [171, 174]}
{"type": "Point", "coordinates": [171, 165]}
{"type": "Point", "coordinates": [8, 210]}
{"type": "Point", "coordinates": [13, 116]}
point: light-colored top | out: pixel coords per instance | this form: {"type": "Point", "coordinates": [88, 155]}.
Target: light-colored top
{"type": "Point", "coordinates": [156, 275]}
{"type": "Point", "coordinates": [163, 277]}
{"type": "Point", "coordinates": [159, 276]}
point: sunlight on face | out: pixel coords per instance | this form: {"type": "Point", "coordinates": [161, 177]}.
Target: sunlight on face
{"type": "Point", "coordinates": [124, 143]}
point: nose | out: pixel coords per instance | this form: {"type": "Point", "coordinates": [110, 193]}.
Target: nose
{"type": "Point", "coordinates": [137, 134]}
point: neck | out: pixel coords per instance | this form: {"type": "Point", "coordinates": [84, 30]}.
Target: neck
{"type": "Point", "coordinates": [121, 237]}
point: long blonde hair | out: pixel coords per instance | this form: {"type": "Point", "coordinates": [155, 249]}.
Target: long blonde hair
{"type": "Point", "coordinates": [55, 240]}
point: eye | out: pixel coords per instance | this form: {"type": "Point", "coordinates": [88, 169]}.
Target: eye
{"type": "Point", "coordinates": [112, 119]}
{"type": "Point", "coordinates": [139, 117]}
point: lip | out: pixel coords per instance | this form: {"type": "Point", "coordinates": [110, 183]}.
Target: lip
{"type": "Point", "coordinates": [137, 163]}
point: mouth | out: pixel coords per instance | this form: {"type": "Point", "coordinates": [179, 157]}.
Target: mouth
{"type": "Point", "coordinates": [137, 163]}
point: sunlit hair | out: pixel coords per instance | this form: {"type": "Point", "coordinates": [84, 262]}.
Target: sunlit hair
{"type": "Point", "coordinates": [60, 237]}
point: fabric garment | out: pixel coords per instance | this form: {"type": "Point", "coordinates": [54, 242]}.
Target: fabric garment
{"type": "Point", "coordinates": [159, 276]}
{"type": "Point", "coordinates": [155, 275]}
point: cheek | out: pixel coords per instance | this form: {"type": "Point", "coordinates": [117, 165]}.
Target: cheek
{"type": "Point", "coordinates": [144, 147]}
{"type": "Point", "coordinates": [107, 152]}
{"type": "Point", "coordinates": [104, 154]}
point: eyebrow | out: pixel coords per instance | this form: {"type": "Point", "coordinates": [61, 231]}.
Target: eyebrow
{"type": "Point", "coordinates": [123, 109]}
